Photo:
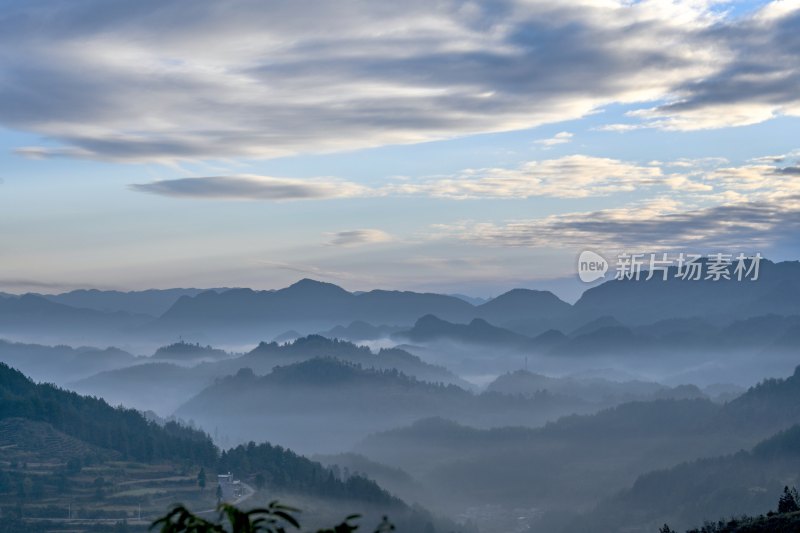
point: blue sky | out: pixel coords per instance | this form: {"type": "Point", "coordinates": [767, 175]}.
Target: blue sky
{"type": "Point", "coordinates": [450, 146]}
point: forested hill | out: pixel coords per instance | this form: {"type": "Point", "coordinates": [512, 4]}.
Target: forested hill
{"type": "Point", "coordinates": [283, 468]}
{"type": "Point", "coordinates": [81, 420]}
{"type": "Point", "coordinates": [95, 422]}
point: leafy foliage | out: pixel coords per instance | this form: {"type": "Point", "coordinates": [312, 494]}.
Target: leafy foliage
{"type": "Point", "coordinates": [275, 518]}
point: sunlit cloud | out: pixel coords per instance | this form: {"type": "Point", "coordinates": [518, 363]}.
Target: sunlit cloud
{"type": "Point", "coordinates": [659, 225]}
{"type": "Point", "coordinates": [559, 138]}
{"type": "Point", "coordinates": [574, 176]}
{"type": "Point", "coordinates": [261, 80]}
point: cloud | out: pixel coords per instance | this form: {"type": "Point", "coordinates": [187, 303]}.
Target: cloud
{"type": "Point", "coordinates": [712, 205]}
{"type": "Point", "coordinates": [657, 225]}
{"type": "Point", "coordinates": [157, 81]}
{"type": "Point", "coordinates": [559, 138]}
{"type": "Point", "coordinates": [759, 78]}
{"type": "Point", "coordinates": [249, 187]}
{"type": "Point", "coordinates": [358, 237]}
{"type": "Point", "coordinates": [573, 176]}
{"type": "Point", "coordinates": [620, 128]}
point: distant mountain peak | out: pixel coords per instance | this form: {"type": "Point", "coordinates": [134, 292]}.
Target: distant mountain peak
{"type": "Point", "coordinates": [307, 284]}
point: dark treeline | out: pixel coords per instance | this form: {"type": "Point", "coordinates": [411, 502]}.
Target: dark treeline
{"type": "Point", "coordinates": [129, 433]}
{"type": "Point", "coordinates": [95, 422]}
{"type": "Point", "coordinates": [283, 468]}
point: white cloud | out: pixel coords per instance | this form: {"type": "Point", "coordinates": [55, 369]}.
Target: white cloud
{"type": "Point", "coordinates": [712, 179]}
{"type": "Point", "coordinates": [559, 138]}
{"type": "Point", "coordinates": [159, 81]}
{"type": "Point", "coordinates": [712, 204]}
{"type": "Point", "coordinates": [758, 76]}
{"type": "Point", "coordinates": [573, 176]}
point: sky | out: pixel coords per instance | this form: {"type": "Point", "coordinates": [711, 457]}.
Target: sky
{"type": "Point", "coordinates": [451, 146]}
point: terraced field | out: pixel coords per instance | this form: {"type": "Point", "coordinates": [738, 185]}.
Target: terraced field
{"type": "Point", "coordinates": [52, 479]}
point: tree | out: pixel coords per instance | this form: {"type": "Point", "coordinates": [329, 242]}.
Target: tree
{"type": "Point", "coordinates": [275, 518]}
{"type": "Point", "coordinates": [666, 529]}
{"type": "Point", "coordinates": [789, 501]}
{"type": "Point", "coordinates": [201, 479]}
{"type": "Point", "coordinates": [260, 481]}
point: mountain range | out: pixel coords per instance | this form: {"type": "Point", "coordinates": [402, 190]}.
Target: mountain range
{"type": "Point", "coordinates": [308, 306]}
{"type": "Point", "coordinates": [572, 464]}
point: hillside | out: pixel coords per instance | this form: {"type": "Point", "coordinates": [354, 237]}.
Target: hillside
{"type": "Point", "coordinates": [747, 482]}
{"type": "Point", "coordinates": [34, 315]}
{"type": "Point", "coordinates": [61, 452]}
{"type": "Point", "coordinates": [777, 291]}
{"type": "Point", "coordinates": [187, 352]}
{"type": "Point", "coordinates": [310, 305]}
{"type": "Point", "coordinates": [153, 302]}
{"type": "Point", "coordinates": [430, 328]}
{"type": "Point", "coordinates": [548, 466]}
{"type": "Point", "coordinates": [95, 422]}
{"type": "Point", "coordinates": [163, 386]}
{"type": "Point", "coordinates": [588, 389]}
{"type": "Point", "coordinates": [359, 330]}
{"type": "Point", "coordinates": [159, 386]}
{"type": "Point", "coordinates": [61, 364]}
{"type": "Point", "coordinates": [345, 402]}
{"type": "Point", "coordinates": [266, 356]}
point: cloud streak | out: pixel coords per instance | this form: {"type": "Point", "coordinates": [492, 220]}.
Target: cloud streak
{"type": "Point", "coordinates": [359, 237]}
{"type": "Point", "coordinates": [651, 226]}
{"type": "Point", "coordinates": [572, 176]}
{"type": "Point", "coordinates": [249, 187]}
{"type": "Point", "coordinates": [157, 82]}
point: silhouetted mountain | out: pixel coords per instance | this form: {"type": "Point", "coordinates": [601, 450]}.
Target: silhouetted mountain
{"type": "Point", "coordinates": [31, 314]}
{"type": "Point", "coordinates": [392, 479]}
{"type": "Point", "coordinates": [549, 465]}
{"type": "Point", "coordinates": [549, 338]}
{"type": "Point", "coordinates": [163, 387]}
{"type": "Point", "coordinates": [777, 291]}
{"type": "Point", "coordinates": [264, 357]}
{"type": "Point", "coordinates": [312, 301]}
{"type": "Point", "coordinates": [95, 422]}
{"type": "Point", "coordinates": [431, 328]}
{"type": "Point", "coordinates": [289, 474]}
{"type": "Point", "coordinates": [158, 387]}
{"type": "Point", "coordinates": [151, 302]}
{"type": "Point", "coordinates": [589, 389]}
{"type": "Point", "coordinates": [318, 305]}
{"type": "Point", "coordinates": [345, 402]}
{"type": "Point", "coordinates": [604, 340]}
{"type": "Point", "coordinates": [687, 494]}
{"type": "Point", "coordinates": [184, 351]}
{"type": "Point", "coordinates": [474, 300]}
{"type": "Point", "coordinates": [523, 304]}
{"type": "Point", "coordinates": [50, 423]}
{"type": "Point", "coordinates": [61, 364]}
{"type": "Point", "coordinates": [597, 324]}
{"type": "Point", "coordinates": [361, 331]}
